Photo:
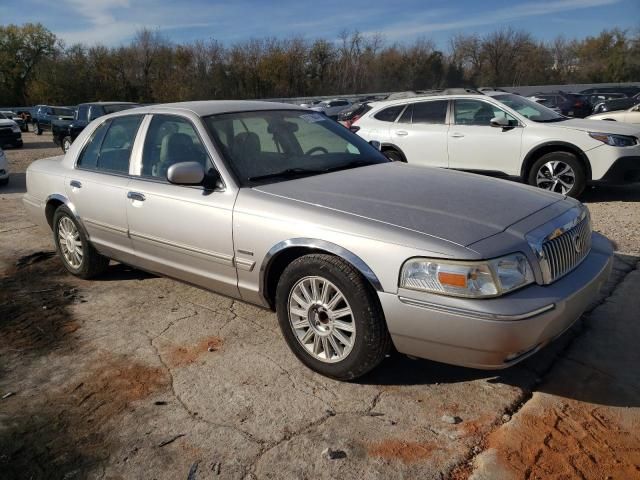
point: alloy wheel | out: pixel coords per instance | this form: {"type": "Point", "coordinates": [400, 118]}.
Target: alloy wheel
{"type": "Point", "coordinates": [321, 319]}
{"type": "Point", "coordinates": [556, 176]}
{"type": "Point", "coordinates": [70, 242]}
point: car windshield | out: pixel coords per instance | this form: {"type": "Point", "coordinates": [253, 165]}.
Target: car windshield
{"type": "Point", "coordinates": [276, 145]}
{"type": "Point", "coordinates": [529, 109]}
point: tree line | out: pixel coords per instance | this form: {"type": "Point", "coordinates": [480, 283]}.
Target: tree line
{"type": "Point", "coordinates": [37, 67]}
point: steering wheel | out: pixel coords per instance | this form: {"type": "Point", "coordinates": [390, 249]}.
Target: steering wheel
{"type": "Point", "coordinates": [316, 149]}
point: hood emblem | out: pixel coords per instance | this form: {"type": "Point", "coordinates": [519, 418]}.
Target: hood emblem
{"type": "Point", "coordinates": [578, 244]}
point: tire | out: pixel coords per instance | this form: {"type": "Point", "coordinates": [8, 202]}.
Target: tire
{"type": "Point", "coordinates": [571, 183]}
{"type": "Point", "coordinates": [63, 143]}
{"type": "Point", "coordinates": [369, 337]}
{"type": "Point", "coordinates": [37, 129]}
{"type": "Point", "coordinates": [393, 155]}
{"type": "Point", "coordinates": [90, 263]}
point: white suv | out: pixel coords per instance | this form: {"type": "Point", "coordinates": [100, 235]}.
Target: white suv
{"type": "Point", "coordinates": [505, 135]}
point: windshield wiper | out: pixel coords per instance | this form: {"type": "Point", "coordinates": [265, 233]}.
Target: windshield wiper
{"type": "Point", "coordinates": [353, 164]}
{"type": "Point", "coordinates": [289, 172]}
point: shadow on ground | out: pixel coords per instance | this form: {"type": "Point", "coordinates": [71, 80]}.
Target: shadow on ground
{"type": "Point", "coordinates": [611, 193]}
{"type": "Point", "coordinates": [17, 184]}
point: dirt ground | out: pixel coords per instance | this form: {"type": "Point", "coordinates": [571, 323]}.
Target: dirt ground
{"type": "Point", "coordinates": [135, 376]}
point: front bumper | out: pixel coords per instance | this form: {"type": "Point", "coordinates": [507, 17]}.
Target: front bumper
{"type": "Point", "coordinates": [495, 333]}
{"type": "Point", "coordinates": [11, 138]}
{"type": "Point", "coordinates": [624, 170]}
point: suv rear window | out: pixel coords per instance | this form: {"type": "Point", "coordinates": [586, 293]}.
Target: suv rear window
{"type": "Point", "coordinates": [389, 114]}
{"type": "Point", "coordinates": [430, 112]}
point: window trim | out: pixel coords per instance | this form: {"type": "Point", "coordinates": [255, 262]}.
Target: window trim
{"type": "Point", "coordinates": [395, 120]}
{"type": "Point", "coordinates": [88, 139]}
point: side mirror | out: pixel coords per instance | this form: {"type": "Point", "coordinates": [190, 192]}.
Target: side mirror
{"type": "Point", "coordinates": [500, 122]}
{"type": "Point", "coordinates": [186, 173]}
{"type": "Point", "coordinates": [375, 144]}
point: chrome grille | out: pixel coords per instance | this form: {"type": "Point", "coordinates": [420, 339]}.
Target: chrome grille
{"type": "Point", "coordinates": [565, 252]}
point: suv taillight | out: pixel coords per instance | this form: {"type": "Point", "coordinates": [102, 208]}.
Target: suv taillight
{"type": "Point", "coordinates": [354, 128]}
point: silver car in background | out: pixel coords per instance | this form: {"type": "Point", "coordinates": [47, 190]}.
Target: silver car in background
{"type": "Point", "coordinates": [281, 207]}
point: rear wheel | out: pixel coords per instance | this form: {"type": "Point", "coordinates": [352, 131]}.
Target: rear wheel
{"type": "Point", "coordinates": [330, 317]}
{"type": "Point", "coordinates": [559, 172]}
{"type": "Point", "coordinates": [77, 254]}
{"type": "Point", "coordinates": [393, 155]}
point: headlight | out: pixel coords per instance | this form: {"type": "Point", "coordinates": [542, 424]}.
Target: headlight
{"type": "Point", "coordinates": [15, 128]}
{"type": "Point", "coordinates": [614, 140]}
{"type": "Point", "coordinates": [490, 278]}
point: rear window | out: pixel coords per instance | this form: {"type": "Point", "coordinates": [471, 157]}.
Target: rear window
{"type": "Point", "coordinates": [430, 112]}
{"type": "Point", "coordinates": [389, 114]}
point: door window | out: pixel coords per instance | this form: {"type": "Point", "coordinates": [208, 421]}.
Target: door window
{"type": "Point", "coordinates": [170, 139]}
{"type": "Point", "coordinates": [430, 112]}
{"type": "Point", "coordinates": [109, 147]}
{"type": "Point", "coordinates": [389, 114]}
{"type": "Point", "coordinates": [477, 112]}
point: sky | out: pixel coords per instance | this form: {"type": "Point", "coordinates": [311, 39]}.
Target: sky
{"type": "Point", "coordinates": [115, 22]}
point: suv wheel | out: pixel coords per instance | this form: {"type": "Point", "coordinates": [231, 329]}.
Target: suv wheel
{"type": "Point", "coordinates": [393, 155]}
{"type": "Point", "coordinates": [330, 317]}
{"type": "Point", "coordinates": [78, 255]}
{"type": "Point", "coordinates": [559, 172]}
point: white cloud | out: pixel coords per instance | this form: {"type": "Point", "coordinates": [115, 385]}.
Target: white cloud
{"type": "Point", "coordinates": [489, 17]}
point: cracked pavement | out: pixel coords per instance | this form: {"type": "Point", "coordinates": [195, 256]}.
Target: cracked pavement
{"type": "Point", "coordinates": [136, 376]}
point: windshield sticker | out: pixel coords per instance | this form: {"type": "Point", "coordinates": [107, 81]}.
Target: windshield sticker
{"type": "Point", "coordinates": [313, 117]}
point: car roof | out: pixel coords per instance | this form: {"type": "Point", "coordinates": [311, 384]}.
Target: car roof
{"type": "Point", "coordinates": [108, 103]}
{"type": "Point", "coordinates": [213, 107]}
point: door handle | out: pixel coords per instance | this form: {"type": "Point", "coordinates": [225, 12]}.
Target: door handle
{"type": "Point", "coordinates": [401, 133]}
{"type": "Point", "coordinates": [136, 196]}
{"type": "Point", "coordinates": [457, 135]}
{"type": "Point", "coordinates": [75, 184]}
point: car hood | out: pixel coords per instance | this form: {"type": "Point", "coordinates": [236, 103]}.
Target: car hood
{"type": "Point", "coordinates": [461, 208]}
{"type": "Point", "coordinates": [603, 126]}
{"type": "Point", "coordinates": [4, 122]}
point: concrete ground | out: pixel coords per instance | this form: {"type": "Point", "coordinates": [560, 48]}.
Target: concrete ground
{"type": "Point", "coordinates": [135, 376]}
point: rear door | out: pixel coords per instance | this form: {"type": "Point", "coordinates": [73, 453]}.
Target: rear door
{"type": "Point", "coordinates": [421, 133]}
{"type": "Point", "coordinates": [475, 145]}
{"type": "Point", "coordinates": [98, 185]}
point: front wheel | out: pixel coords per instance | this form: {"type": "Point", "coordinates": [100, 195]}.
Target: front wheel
{"type": "Point", "coordinates": [559, 172]}
{"type": "Point", "coordinates": [66, 144]}
{"type": "Point", "coordinates": [77, 254]}
{"type": "Point", "coordinates": [330, 317]}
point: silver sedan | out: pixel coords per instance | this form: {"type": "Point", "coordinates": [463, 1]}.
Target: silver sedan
{"type": "Point", "coordinates": [282, 207]}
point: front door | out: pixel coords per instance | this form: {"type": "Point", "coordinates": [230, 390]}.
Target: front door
{"type": "Point", "coordinates": [477, 146]}
{"type": "Point", "coordinates": [180, 231]}
{"type": "Point", "coordinates": [421, 133]}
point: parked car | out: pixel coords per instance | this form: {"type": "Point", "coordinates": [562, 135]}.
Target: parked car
{"type": "Point", "coordinates": [569, 104]}
{"type": "Point", "coordinates": [627, 116]}
{"type": "Point", "coordinates": [311, 103]}
{"type": "Point", "coordinates": [596, 98]}
{"type": "Point", "coordinates": [350, 115]}
{"type": "Point", "coordinates": [10, 133]}
{"type": "Point", "coordinates": [629, 91]}
{"type": "Point", "coordinates": [16, 118]}
{"type": "Point", "coordinates": [616, 104]}
{"type": "Point", "coordinates": [331, 108]}
{"type": "Point", "coordinates": [504, 135]}
{"type": "Point", "coordinates": [4, 168]}
{"type": "Point", "coordinates": [45, 115]}
{"type": "Point", "coordinates": [64, 133]}
{"type": "Point", "coordinates": [281, 207]}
